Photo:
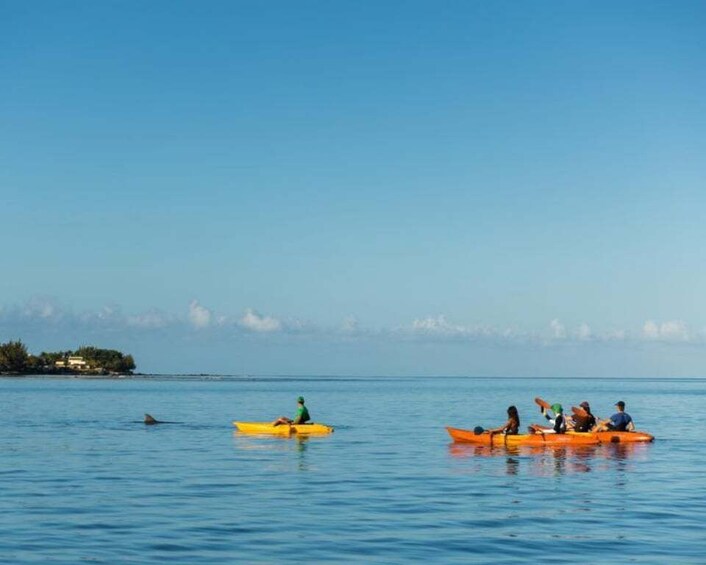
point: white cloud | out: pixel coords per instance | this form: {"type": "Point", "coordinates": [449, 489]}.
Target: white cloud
{"type": "Point", "coordinates": [109, 312]}
{"type": "Point", "coordinates": [41, 313]}
{"type": "Point", "coordinates": [558, 329]}
{"type": "Point", "coordinates": [152, 319]}
{"type": "Point", "coordinates": [41, 308]}
{"type": "Point", "coordinates": [199, 316]}
{"type": "Point", "coordinates": [673, 330]}
{"type": "Point", "coordinates": [584, 332]}
{"type": "Point", "coordinates": [650, 330]}
{"type": "Point", "coordinates": [350, 324]}
{"type": "Point", "coordinates": [253, 321]}
{"type": "Point", "coordinates": [437, 326]}
{"type": "Point", "coordinates": [440, 327]}
{"type": "Point", "coordinates": [616, 335]}
{"type": "Point", "coordinates": [104, 318]}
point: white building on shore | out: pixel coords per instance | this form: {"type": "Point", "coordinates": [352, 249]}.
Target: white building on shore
{"type": "Point", "coordinates": [73, 362]}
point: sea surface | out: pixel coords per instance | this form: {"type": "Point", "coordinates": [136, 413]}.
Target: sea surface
{"type": "Point", "coordinates": [83, 480]}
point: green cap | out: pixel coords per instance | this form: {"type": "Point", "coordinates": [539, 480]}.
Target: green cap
{"type": "Point", "coordinates": [300, 399]}
{"type": "Point", "coordinates": [557, 409]}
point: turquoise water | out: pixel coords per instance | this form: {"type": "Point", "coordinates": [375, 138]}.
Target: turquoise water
{"type": "Point", "coordinates": [83, 480]}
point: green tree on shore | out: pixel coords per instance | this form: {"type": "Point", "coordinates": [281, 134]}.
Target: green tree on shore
{"type": "Point", "coordinates": [13, 357]}
{"type": "Point", "coordinates": [108, 359]}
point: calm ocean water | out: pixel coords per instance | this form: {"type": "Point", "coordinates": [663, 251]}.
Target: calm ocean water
{"type": "Point", "coordinates": [83, 480]}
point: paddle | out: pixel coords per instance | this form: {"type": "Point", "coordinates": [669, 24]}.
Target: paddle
{"type": "Point", "coordinates": [493, 433]}
{"type": "Point", "coordinates": [583, 415]}
{"type": "Point", "coordinates": [543, 403]}
{"type": "Point", "coordinates": [480, 430]}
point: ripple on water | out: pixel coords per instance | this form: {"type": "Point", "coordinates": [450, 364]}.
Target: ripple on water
{"type": "Point", "coordinates": [81, 487]}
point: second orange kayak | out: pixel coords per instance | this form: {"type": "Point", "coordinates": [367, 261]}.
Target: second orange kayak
{"type": "Point", "coordinates": [569, 438]}
{"type": "Point", "coordinates": [485, 438]}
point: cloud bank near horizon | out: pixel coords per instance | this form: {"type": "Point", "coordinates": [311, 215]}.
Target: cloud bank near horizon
{"type": "Point", "coordinates": [43, 313]}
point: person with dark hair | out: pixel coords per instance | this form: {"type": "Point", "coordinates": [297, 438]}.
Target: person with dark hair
{"type": "Point", "coordinates": [301, 417]}
{"type": "Point", "coordinates": [621, 421]}
{"type": "Point", "coordinates": [558, 422]}
{"type": "Point", "coordinates": [512, 426]}
{"type": "Point", "coordinates": [586, 421]}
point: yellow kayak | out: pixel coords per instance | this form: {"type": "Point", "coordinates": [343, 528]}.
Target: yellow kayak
{"type": "Point", "coordinates": [282, 429]}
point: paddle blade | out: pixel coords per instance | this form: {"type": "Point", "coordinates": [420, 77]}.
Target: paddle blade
{"type": "Point", "coordinates": [543, 403]}
{"type": "Point", "coordinates": [580, 412]}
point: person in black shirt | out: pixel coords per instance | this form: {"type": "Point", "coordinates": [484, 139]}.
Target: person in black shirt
{"type": "Point", "coordinates": [558, 423]}
{"type": "Point", "coordinates": [584, 423]}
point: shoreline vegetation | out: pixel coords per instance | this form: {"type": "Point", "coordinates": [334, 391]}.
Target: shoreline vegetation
{"type": "Point", "coordinates": [87, 360]}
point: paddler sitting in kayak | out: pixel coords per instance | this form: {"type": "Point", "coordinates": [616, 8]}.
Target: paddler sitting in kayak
{"type": "Point", "coordinates": [621, 421]}
{"type": "Point", "coordinates": [301, 417]}
{"type": "Point", "coordinates": [583, 419]}
{"type": "Point", "coordinates": [512, 426]}
{"type": "Point", "coordinates": [558, 422]}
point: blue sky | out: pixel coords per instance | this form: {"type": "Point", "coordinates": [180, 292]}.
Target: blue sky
{"type": "Point", "coordinates": [472, 188]}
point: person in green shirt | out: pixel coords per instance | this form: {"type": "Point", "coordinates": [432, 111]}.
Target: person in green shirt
{"type": "Point", "coordinates": [301, 417]}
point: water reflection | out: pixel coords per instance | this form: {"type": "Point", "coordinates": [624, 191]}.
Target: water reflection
{"type": "Point", "coordinates": [558, 460]}
{"type": "Point", "coordinates": [302, 443]}
{"type": "Point", "coordinates": [274, 444]}
{"type": "Point", "coordinates": [512, 465]}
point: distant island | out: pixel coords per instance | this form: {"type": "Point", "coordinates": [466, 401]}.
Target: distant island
{"type": "Point", "coordinates": [86, 360]}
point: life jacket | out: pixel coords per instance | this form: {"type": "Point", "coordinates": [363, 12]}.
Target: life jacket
{"type": "Point", "coordinates": [560, 424]}
{"type": "Point", "coordinates": [584, 424]}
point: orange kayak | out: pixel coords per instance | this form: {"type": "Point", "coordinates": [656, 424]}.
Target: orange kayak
{"type": "Point", "coordinates": [485, 438]}
{"type": "Point", "coordinates": [617, 437]}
